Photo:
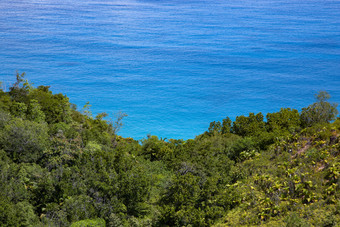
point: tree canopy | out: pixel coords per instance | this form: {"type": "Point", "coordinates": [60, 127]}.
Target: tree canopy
{"type": "Point", "coordinates": [60, 166]}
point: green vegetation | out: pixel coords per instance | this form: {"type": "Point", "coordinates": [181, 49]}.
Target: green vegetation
{"type": "Point", "coordinates": [64, 167]}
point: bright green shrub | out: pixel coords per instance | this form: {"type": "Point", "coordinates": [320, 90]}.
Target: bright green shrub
{"type": "Point", "coordinates": [89, 223]}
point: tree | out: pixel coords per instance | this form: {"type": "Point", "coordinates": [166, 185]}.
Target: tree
{"type": "Point", "coordinates": [214, 126]}
{"type": "Point", "coordinates": [285, 120]}
{"type": "Point", "coordinates": [116, 126]}
{"type": "Point", "coordinates": [20, 89]}
{"type": "Point", "coordinates": [155, 149]}
{"type": "Point", "coordinates": [319, 112]}
{"type": "Point", "coordinates": [34, 112]}
{"type": "Point", "coordinates": [249, 126]}
{"type": "Point", "coordinates": [55, 107]}
{"type": "Point", "coordinates": [23, 140]}
{"type": "Point", "coordinates": [18, 109]}
{"type": "Point", "coordinates": [179, 202]}
{"type": "Point", "coordinates": [118, 123]}
{"type": "Point", "coordinates": [226, 125]}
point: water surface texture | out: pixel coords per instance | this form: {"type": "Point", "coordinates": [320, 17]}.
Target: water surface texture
{"type": "Point", "coordinates": [174, 66]}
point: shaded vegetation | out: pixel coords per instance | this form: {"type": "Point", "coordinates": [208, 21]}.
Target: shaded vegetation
{"type": "Point", "coordinates": [63, 167]}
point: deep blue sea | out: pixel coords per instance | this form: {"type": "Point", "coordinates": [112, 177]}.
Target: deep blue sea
{"type": "Point", "coordinates": [175, 65]}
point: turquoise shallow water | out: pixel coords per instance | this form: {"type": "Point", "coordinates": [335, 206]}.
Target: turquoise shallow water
{"type": "Point", "coordinates": [174, 66]}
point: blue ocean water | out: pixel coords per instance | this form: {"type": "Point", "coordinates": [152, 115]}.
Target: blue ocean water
{"type": "Point", "coordinates": [175, 65]}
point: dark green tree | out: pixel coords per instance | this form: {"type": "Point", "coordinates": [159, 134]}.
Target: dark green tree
{"type": "Point", "coordinates": [285, 120]}
{"type": "Point", "coordinates": [249, 126]}
{"type": "Point", "coordinates": [56, 107]}
{"type": "Point", "coordinates": [23, 140]}
{"type": "Point", "coordinates": [226, 125]}
{"type": "Point", "coordinates": [20, 89]}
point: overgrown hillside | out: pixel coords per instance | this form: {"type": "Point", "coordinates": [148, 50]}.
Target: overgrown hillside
{"type": "Point", "coordinates": [60, 166]}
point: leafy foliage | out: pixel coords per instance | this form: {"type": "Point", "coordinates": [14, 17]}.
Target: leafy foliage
{"type": "Point", "coordinates": [319, 112]}
{"type": "Point", "coordinates": [63, 167]}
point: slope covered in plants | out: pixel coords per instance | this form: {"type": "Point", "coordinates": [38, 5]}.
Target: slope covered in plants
{"type": "Point", "coordinates": [63, 167]}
